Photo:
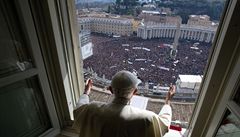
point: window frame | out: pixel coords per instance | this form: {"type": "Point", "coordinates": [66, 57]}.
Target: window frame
{"type": "Point", "coordinates": [38, 70]}
{"type": "Point", "coordinates": [60, 49]}
{"type": "Point", "coordinates": [50, 42]}
{"type": "Point", "coordinates": [211, 79]}
{"type": "Point", "coordinates": [24, 9]}
{"type": "Point", "coordinates": [221, 76]}
{"type": "Point", "coordinates": [63, 22]}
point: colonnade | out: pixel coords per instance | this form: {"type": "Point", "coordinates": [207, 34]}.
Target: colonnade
{"type": "Point", "coordinates": [198, 33]}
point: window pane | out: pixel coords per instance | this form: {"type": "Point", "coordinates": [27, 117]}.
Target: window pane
{"type": "Point", "coordinates": [230, 126]}
{"type": "Point", "coordinates": [13, 57]}
{"type": "Point", "coordinates": [23, 111]}
{"type": "Point", "coordinates": [237, 97]}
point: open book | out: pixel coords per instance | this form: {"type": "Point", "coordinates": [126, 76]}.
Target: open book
{"type": "Point", "coordinates": [137, 101]}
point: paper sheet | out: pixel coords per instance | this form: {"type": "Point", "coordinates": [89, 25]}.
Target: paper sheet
{"type": "Point", "coordinates": [139, 102]}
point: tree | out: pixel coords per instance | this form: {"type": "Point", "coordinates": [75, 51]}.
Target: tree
{"type": "Point", "coordinates": [130, 2]}
{"type": "Point", "coordinates": [118, 2]}
{"type": "Point", "coordinates": [125, 7]}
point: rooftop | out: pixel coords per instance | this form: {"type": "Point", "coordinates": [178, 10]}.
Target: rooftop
{"type": "Point", "coordinates": [191, 78]}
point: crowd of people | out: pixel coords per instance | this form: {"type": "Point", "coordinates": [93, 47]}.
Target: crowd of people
{"type": "Point", "coordinates": [150, 59]}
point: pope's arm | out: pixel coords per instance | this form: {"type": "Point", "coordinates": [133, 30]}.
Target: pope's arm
{"type": "Point", "coordinates": [81, 106]}
{"type": "Point", "coordinates": [165, 114]}
{"type": "Point", "coordinates": [84, 98]}
{"type": "Point", "coordinates": [162, 121]}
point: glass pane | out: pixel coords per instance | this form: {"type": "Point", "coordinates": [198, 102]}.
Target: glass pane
{"type": "Point", "coordinates": [237, 97]}
{"type": "Point", "coordinates": [23, 111]}
{"type": "Point", "coordinates": [230, 126]}
{"type": "Point", "coordinates": [13, 54]}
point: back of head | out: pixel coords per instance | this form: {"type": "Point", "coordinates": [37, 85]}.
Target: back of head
{"type": "Point", "coordinates": [123, 83]}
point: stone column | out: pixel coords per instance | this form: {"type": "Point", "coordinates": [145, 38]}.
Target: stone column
{"type": "Point", "coordinates": [202, 36]}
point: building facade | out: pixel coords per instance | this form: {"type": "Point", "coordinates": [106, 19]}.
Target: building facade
{"type": "Point", "coordinates": [107, 25]}
{"type": "Point", "coordinates": [199, 20]}
{"type": "Point", "coordinates": [156, 17]}
{"type": "Point", "coordinates": [86, 44]}
{"type": "Point", "coordinates": [199, 28]}
{"type": "Point", "coordinates": [198, 33]}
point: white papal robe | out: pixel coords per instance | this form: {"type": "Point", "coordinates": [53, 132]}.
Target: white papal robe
{"type": "Point", "coordinates": [118, 119]}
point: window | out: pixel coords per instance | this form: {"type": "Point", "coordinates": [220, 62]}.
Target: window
{"type": "Point", "coordinates": [26, 101]}
{"type": "Point", "coordinates": [216, 70]}
{"type": "Point", "coordinates": [45, 66]}
{"type": "Point", "coordinates": [229, 125]}
{"type": "Point", "coordinates": [168, 48]}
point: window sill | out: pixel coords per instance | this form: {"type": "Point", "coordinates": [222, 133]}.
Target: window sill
{"type": "Point", "coordinates": [68, 132]}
